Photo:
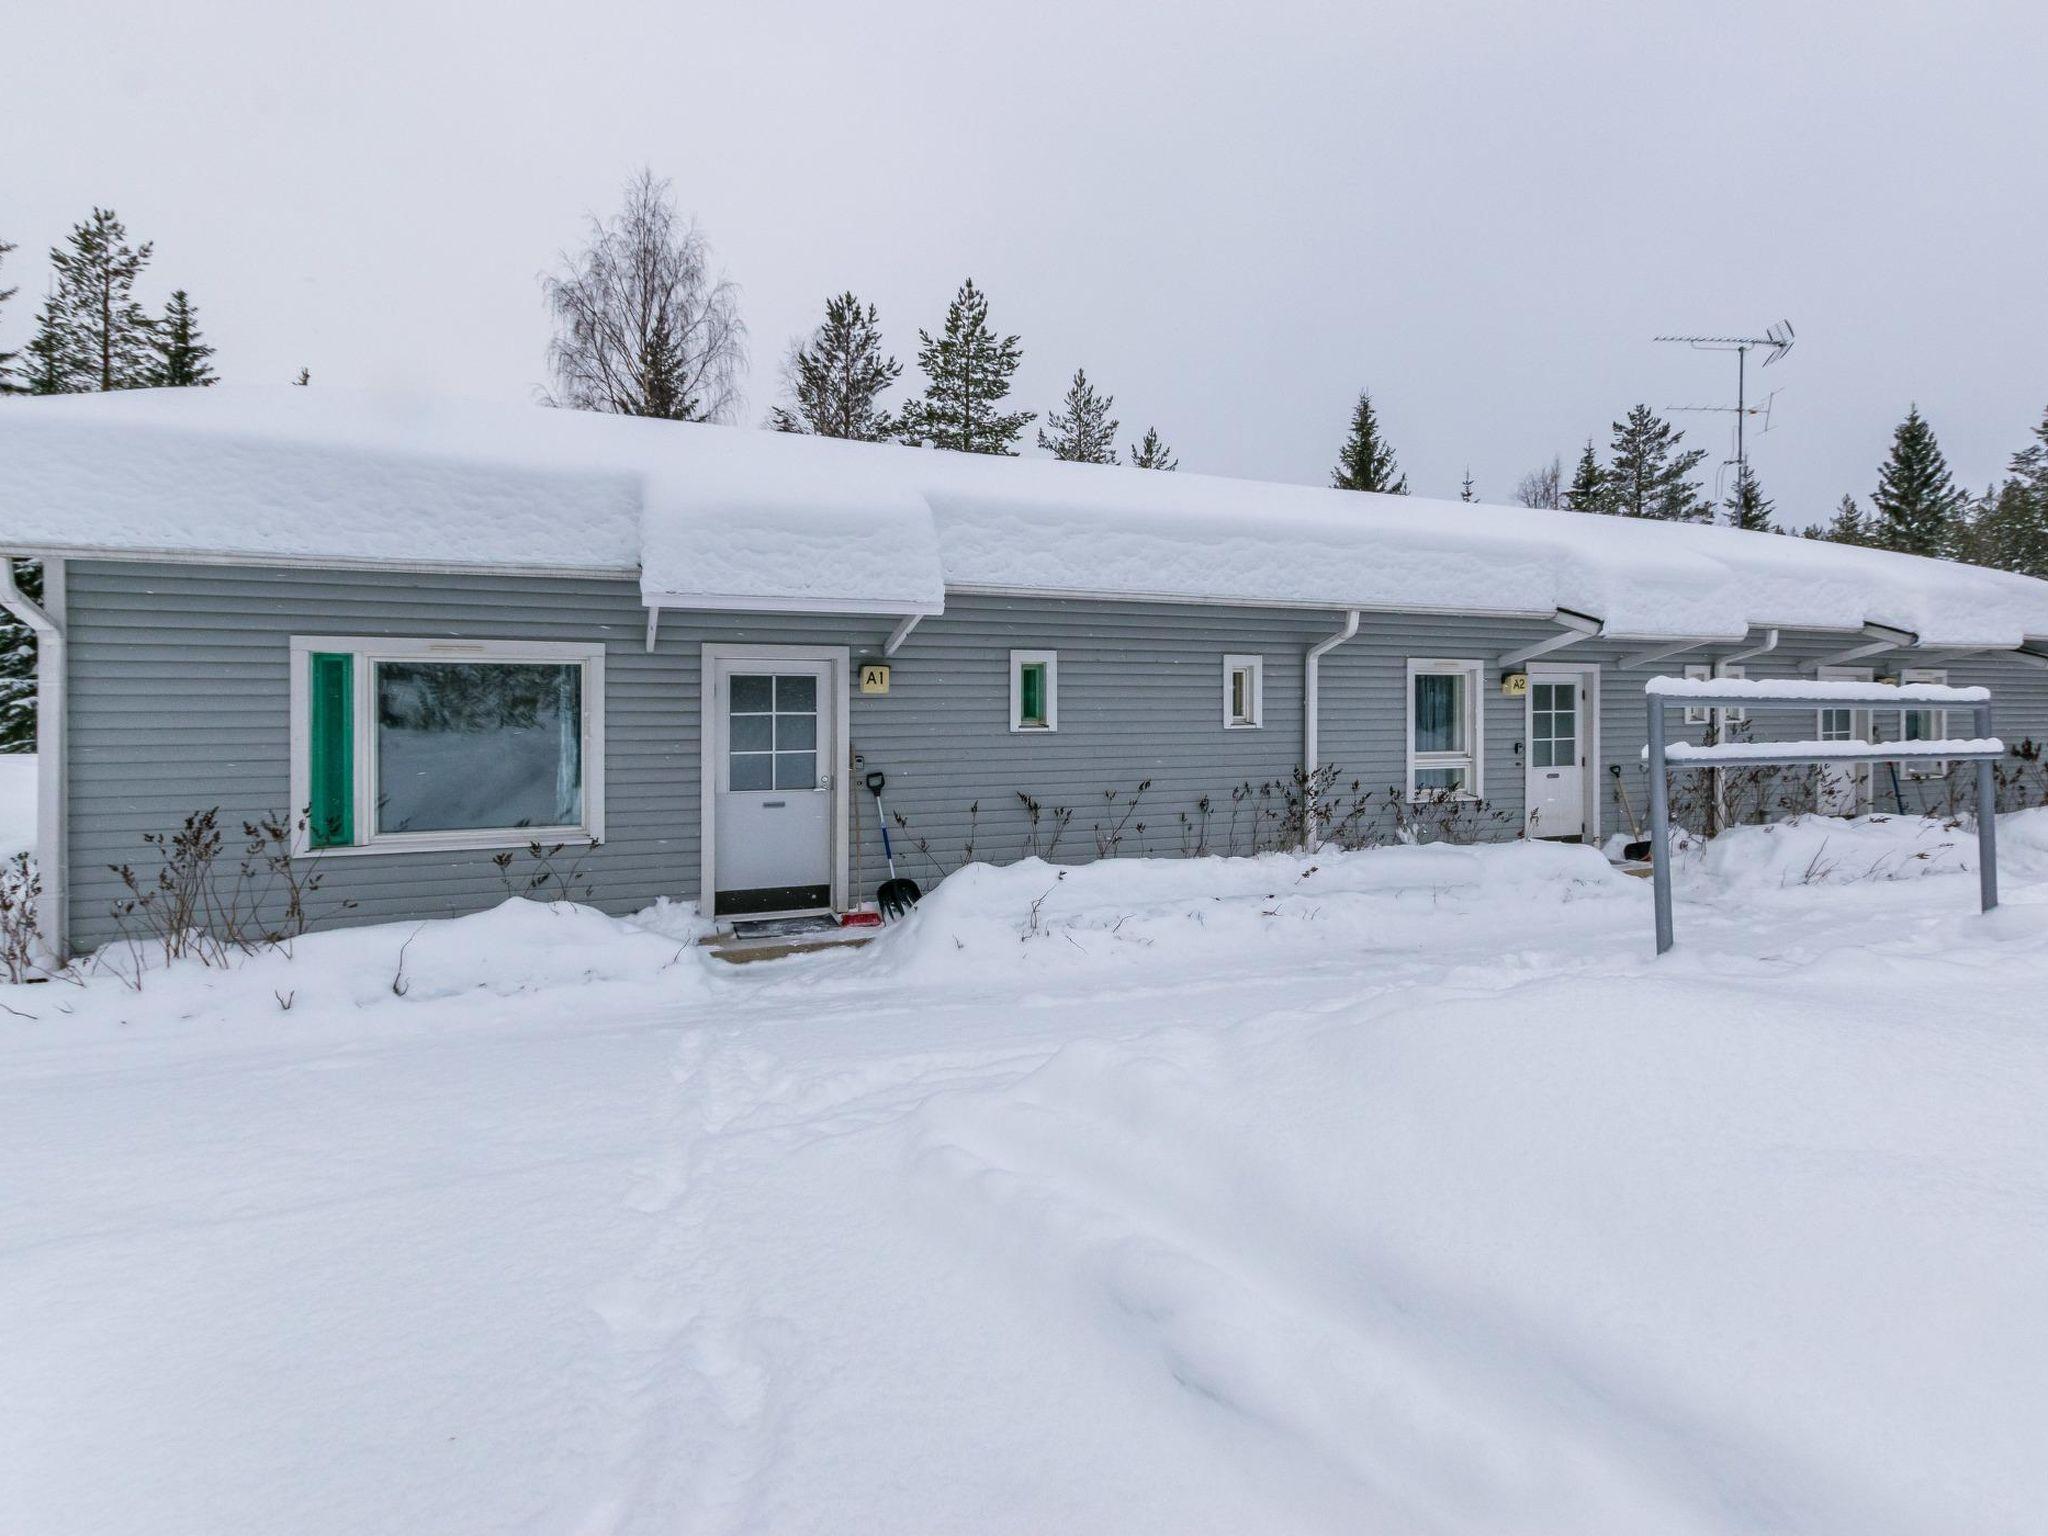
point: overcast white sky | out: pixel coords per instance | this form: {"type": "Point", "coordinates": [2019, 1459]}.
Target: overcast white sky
{"type": "Point", "coordinates": [1233, 215]}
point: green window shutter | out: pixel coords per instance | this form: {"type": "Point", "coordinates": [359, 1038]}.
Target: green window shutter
{"type": "Point", "coordinates": [331, 749]}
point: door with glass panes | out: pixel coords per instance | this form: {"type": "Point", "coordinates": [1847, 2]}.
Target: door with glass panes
{"type": "Point", "coordinates": [773, 784]}
{"type": "Point", "coordinates": [1557, 754]}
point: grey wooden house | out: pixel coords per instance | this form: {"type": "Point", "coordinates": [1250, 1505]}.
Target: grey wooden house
{"type": "Point", "coordinates": [441, 631]}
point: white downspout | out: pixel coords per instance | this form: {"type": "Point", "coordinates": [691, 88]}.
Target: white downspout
{"type": "Point", "coordinates": [1311, 671]}
{"type": "Point", "coordinates": [49, 742]}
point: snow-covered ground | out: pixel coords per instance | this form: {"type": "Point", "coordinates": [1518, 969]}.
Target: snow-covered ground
{"type": "Point", "coordinates": [1396, 1192]}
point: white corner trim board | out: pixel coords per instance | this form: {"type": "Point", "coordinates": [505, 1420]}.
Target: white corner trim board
{"type": "Point", "coordinates": [51, 768]}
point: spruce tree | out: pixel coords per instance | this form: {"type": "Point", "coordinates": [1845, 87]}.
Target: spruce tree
{"type": "Point", "coordinates": [109, 333]}
{"type": "Point", "coordinates": [1916, 508]}
{"type": "Point", "coordinates": [1083, 432]}
{"type": "Point", "coordinates": [305, 377]}
{"type": "Point", "coordinates": [1588, 490]}
{"type": "Point", "coordinates": [1465, 491]}
{"type": "Point", "coordinates": [2010, 530]}
{"type": "Point", "coordinates": [837, 378]}
{"type": "Point", "coordinates": [1366, 461]}
{"type": "Point", "coordinates": [54, 365]}
{"type": "Point", "coordinates": [181, 357]}
{"type": "Point", "coordinates": [1647, 474]}
{"type": "Point", "coordinates": [1153, 453]}
{"type": "Point", "coordinates": [1848, 526]}
{"type": "Point", "coordinates": [7, 384]}
{"type": "Point", "coordinates": [18, 666]}
{"type": "Point", "coordinates": [1747, 505]}
{"type": "Point", "coordinates": [967, 372]}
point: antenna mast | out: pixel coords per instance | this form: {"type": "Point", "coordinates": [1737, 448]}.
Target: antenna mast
{"type": "Point", "coordinates": [1776, 340]}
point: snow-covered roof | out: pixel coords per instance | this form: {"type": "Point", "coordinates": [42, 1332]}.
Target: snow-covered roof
{"type": "Point", "coordinates": [723, 516]}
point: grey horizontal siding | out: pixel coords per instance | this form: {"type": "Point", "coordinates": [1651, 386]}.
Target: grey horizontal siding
{"type": "Point", "coordinates": [179, 678]}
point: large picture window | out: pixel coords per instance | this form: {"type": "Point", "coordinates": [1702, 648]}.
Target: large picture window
{"type": "Point", "coordinates": [446, 744]}
{"type": "Point", "coordinates": [1443, 728]}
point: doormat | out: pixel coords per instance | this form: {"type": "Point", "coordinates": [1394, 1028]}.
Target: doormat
{"type": "Point", "coordinates": [783, 927]}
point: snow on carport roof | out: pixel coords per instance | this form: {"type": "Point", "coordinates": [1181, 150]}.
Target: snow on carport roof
{"type": "Point", "coordinates": [721, 516]}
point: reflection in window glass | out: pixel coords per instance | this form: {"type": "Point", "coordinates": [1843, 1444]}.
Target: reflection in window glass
{"type": "Point", "coordinates": [1439, 712]}
{"type": "Point", "coordinates": [464, 746]}
{"type": "Point", "coordinates": [772, 732]}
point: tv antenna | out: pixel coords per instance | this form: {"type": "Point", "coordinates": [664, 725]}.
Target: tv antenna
{"type": "Point", "coordinates": [1775, 342]}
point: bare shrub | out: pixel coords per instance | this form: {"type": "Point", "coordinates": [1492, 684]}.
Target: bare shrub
{"type": "Point", "coordinates": [21, 892]}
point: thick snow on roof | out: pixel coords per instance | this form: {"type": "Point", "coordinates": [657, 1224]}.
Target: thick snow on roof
{"type": "Point", "coordinates": [730, 516]}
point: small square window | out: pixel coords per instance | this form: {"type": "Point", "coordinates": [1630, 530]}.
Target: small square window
{"type": "Point", "coordinates": [1034, 691]}
{"type": "Point", "coordinates": [1244, 692]}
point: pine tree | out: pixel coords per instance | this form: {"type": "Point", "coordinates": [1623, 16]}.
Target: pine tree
{"type": "Point", "coordinates": [1465, 491]}
{"type": "Point", "coordinates": [1647, 475]}
{"type": "Point", "coordinates": [2009, 529]}
{"type": "Point", "coordinates": [305, 377]}
{"type": "Point", "coordinates": [1153, 453]}
{"type": "Point", "coordinates": [108, 332]}
{"type": "Point", "coordinates": [1588, 490]}
{"type": "Point", "coordinates": [1916, 508]}
{"type": "Point", "coordinates": [181, 357]}
{"type": "Point", "coordinates": [1084, 432]}
{"type": "Point", "coordinates": [837, 378]}
{"type": "Point", "coordinates": [18, 666]}
{"type": "Point", "coordinates": [7, 384]}
{"type": "Point", "coordinates": [967, 376]}
{"type": "Point", "coordinates": [1366, 461]}
{"type": "Point", "coordinates": [1747, 505]}
{"type": "Point", "coordinates": [2030, 464]}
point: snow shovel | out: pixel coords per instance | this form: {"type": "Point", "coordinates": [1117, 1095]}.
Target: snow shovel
{"type": "Point", "coordinates": [896, 895]}
{"type": "Point", "coordinates": [1638, 850]}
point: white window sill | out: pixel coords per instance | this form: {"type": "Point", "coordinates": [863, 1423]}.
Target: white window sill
{"type": "Point", "coordinates": [454, 842]}
{"type": "Point", "coordinates": [1032, 730]}
{"type": "Point", "coordinates": [1244, 725]}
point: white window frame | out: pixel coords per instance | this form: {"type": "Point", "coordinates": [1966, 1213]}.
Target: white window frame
{"type": "Point", "coordinates": [1019, 660]}
{"type": "Point", "coordinates": [1698, 672]}
{"type": "Point", "coordinates": [1233, 664]}
{"type": "Point", "coordinates": [1922, 768]}
{"type": "Point", "coordinates": [368, 650]}
{"type": "Point", "coordinates": [1473, 760]}
{"type": "Point", "coordinates": [1702, 671]}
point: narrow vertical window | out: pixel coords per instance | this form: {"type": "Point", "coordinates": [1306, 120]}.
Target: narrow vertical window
{"type": "Point", "coordinates": [1443, 728]}
{"type": "Point", "coordinates": [1034, 691]}
{"type": "Point", "coordinates": [331, 779]}
{"type": "Point", "coordinates": [1923, 724]}
{"type": "Point", "coordinates": [1243, 692]}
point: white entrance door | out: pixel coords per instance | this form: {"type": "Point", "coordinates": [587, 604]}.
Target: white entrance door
{"type": "Point", "coordinates": [774, 724]}
{"type": "Point", "coordinates": [1844, 788]}
{"type": "Point", "coordinates": [1557, 755]}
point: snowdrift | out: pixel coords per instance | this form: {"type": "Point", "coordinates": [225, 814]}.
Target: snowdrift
{"type": "Point", "coordinates": [985, 914]}
{"type": "Point", "coordinates": [1833, 850]}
